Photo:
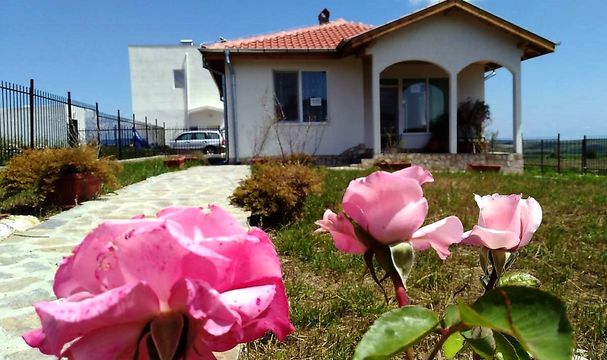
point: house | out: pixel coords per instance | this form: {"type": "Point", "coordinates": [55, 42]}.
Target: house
{"type": "Point", "coordinates": [169, 84]}
{"type": "Point", "coordinates": [329, 87]}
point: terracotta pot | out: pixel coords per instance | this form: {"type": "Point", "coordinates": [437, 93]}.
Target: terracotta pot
{"type": "Point", "coordinates": [484, 167]}
{"type": "Point", "coordinates": [393, 166]}
{"type": "Point", "coordinates": [175, 161]}
{"type": "Point", "coordinates": [73, 188]}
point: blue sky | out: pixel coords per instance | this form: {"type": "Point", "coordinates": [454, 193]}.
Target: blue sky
{"type": "Point", "coordinates": [81, 46]}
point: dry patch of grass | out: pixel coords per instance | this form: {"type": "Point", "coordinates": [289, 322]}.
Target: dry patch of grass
{"type": "Point", "coordinates": [332, 306]}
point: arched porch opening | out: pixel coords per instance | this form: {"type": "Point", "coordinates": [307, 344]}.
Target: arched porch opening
{"type": "Point", "coordinates": [491, 84]}
{"type": "Point", "coordinates": [414, 107]}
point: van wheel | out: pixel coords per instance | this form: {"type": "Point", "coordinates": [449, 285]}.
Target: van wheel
{"type": "Point", "coordinates": [209, 150]}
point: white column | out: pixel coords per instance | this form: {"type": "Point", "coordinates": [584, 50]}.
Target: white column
{"type": "Point", "coordinates": [517, 112]}
{"type": "Point", "coordinates": [453, 113]}
{"type": "Point", "coordinates": [376, 111]}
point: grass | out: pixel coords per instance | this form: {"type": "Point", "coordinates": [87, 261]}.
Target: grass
{"type": "Point", "coordinates": [136, 171]}
{"type": "Point", "coordinates": [332, 305]}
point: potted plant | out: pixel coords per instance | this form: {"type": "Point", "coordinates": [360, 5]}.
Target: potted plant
{"type": "Point", "coordinates": [43, 178]}
{"type": "Point", "coordinates": [175, 161]}
{"type": "Point", "coordinates": [472, 119]}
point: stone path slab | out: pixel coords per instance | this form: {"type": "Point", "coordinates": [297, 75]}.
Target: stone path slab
{"type": "Point", "coordinates": [29, 259]}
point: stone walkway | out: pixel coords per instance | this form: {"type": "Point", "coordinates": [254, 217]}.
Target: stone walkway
{"type": "Point", "coordinates": [28, 260]}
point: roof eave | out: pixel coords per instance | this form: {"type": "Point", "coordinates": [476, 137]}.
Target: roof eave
{"type": "Point", "coordinates": [349, 45]}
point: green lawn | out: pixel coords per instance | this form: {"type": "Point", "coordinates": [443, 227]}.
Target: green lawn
{"type": "Point", "coordinates": [333, 305]}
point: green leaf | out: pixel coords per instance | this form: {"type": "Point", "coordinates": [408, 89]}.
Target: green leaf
{"type": "Point", "coordinates": [481, 340]}
{"type": "Point", "coordinates": [451, 317]}
{"type": "Point", "coordinates": [508, 348]}
{"type": "Point", "coordinates": [402, 258]}
{"type": "Point", "coordinates": [535, 318]}
{"type": "Point", "coordinates": [519, 279]}
{"type": "Point", "coordinates": [454, 343]}
{"type": "Point", "coordinates": [396, 331]}
{"type": "Point", "coordinates": [498, 260]}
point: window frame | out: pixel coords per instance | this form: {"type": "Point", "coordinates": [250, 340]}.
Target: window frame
{"type": "Point", "coordinates": [427, 80]}
{"type": "Point", "coordinates": [300, 106]}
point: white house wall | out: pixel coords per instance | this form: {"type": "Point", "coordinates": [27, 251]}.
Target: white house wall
{"type": "Point", "coordinates": [152, 84]}
{"type": "Point", "coordinates": [452, 42]}
{"type": "Point", "coordinates": [206, 119]}
{"type": "Point", "coordinates": [471, 83]}
{"type": "Point", "coordinates": [345, 127]}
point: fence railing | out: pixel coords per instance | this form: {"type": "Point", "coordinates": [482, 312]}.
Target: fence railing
{"type": "Point", "coordinates": [32, 118]}
{"type": "Point", "coordinates": [586, 155]}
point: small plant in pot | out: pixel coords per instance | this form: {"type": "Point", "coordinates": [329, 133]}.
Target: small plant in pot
{"type": "Point", "coordinates": [44, 178]}
{"type": "Point", "coordinates": [472, 120]}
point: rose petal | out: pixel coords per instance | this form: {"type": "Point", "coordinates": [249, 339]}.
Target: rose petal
{"type": "Point", "coordinates": [492, 239]}
{"type": "Point", "coordinates": [417, 173]}
{"type": "Point", "coordinates": [531, 218]}
{"type": "Point", "coordinates": [342, 232]}
{"type": "Point", "coordinates": [275, 319]}
{"type": "Point", "coordinates": [439, 236]}
{"type": "Point", "coordinates": [204, 303]}
{"type": "Point", "coordinates": [78, 272]}
{"type": "Point", "coordinates": [390, 207]}
{"type": "Point", "coordinates": [216, 223]}
{"type": "Point", "coordinates": [64, 320]}
{"type": "Point", "coordinates": [249, 302]}
{"type": "Point", "coordinates": [499, 212]}
{"type": "Point", "coordinates": [114, 342]}
{"type": "Point", "coordinates": [246, 270]}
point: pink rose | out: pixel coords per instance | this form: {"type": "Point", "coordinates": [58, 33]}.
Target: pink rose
{"type": "Point", "coordinates": [504, 222]}
{"type": "Point", "coordinates": [183, 285]}
{"type": "Point", "coordinates": [391, 208]}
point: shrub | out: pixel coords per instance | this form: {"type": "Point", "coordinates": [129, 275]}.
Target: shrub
{"type": "Point", "coordinates": [29, 178]}
{"type": "Point", "coordinates": [275, 193]}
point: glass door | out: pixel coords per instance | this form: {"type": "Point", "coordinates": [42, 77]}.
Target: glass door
{"type": "Point", "coordinates": [388, 99]}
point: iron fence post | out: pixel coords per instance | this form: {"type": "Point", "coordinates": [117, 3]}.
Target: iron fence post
{"type": "Point", "coordinates": [584, 155]}
{"type": "Point", "coordinates": [98, 127]}
{"type": "Point", "coordinates": [133, 136]}
{"type": "Point", "coordinates": [72, 128]}
{"type": "Point", "coordinates": [146, 131]}
{"type": "Point", "coordinates": [31, 94]}
{"type": "Point", "coordinates": [119, 138]}
{"type": "Point", "coordinates": [542, 156]}
{"type": "Point", "coordinates": [164, 132]}
{"type": "Point", "coordinates": [558, 153]}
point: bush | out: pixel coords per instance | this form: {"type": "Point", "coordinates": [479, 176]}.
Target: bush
{"type": "Point", "coordinates": [29, 178]}
{"type": "Point", "coordinates": [275, 193]}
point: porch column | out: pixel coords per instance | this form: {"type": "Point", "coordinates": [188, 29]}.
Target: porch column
{"type": "Point", "coordinates": [517, 112]}
{"type": "Point", "coordinates": [453, 113]}
{"type": "Point", "coordinates": [376, 112]}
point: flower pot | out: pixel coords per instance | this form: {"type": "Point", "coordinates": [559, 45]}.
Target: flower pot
{"type": "Point", "coordinates": [175, 161]}
{"type": "Point", "coordinates": [484, 167]}
{"type": "Point", "coordinates": [73, 188]}
{"type": "Point", "coordinates": [393, 165]}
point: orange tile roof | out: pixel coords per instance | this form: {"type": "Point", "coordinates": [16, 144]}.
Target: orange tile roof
{"type": "Point", "coordinates": [318, 37]}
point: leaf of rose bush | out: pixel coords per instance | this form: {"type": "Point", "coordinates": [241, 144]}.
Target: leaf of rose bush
{"type": "Point", "coordinates": [396, 331]}
{"type": "Point", "coordinates": [481, 340]}
{"type": "Point", "coordinates": [535, 318]}
{"type": "Point", "coordinates": [402, 258]}
{"type": "Point", "coordinates": [454, 343]}
{"type": "Point", "coordinates": [508, 348]}
{"type": "Point", "coordinates": [519, 279]}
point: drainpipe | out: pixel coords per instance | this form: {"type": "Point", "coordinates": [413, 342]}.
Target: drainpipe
{"type": "Point", "coordinates": [225, 108]}
{"type": "Point", "coordinates": [233, 104]}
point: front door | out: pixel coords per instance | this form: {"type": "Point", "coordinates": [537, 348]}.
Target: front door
{"type": "Point", "coordinates": [388, 101]}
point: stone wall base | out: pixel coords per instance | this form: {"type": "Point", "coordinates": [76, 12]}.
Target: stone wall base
{"type": "Point", "coordinates": [510, 163]}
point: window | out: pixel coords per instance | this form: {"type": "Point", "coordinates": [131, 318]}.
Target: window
{"type": "Point", "coordinates": [214, 136]}
{"type": "Point", "coordinates": [301, 96]}
{"type": "Point", "coordinates": [424, 102]}
{"type": "Point", "coordinates": [178, 79]}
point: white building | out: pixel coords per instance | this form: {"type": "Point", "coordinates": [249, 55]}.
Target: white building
{"type": "Point", "coordinates": [169, 84]}
{"type": "Point", "coordinates": [342, 83]}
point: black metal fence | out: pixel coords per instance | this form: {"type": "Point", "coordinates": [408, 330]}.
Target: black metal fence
{"type": "Point", "coordinates": [31, 118]}
{"type": "Point", "coordinates": [586, 155]}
